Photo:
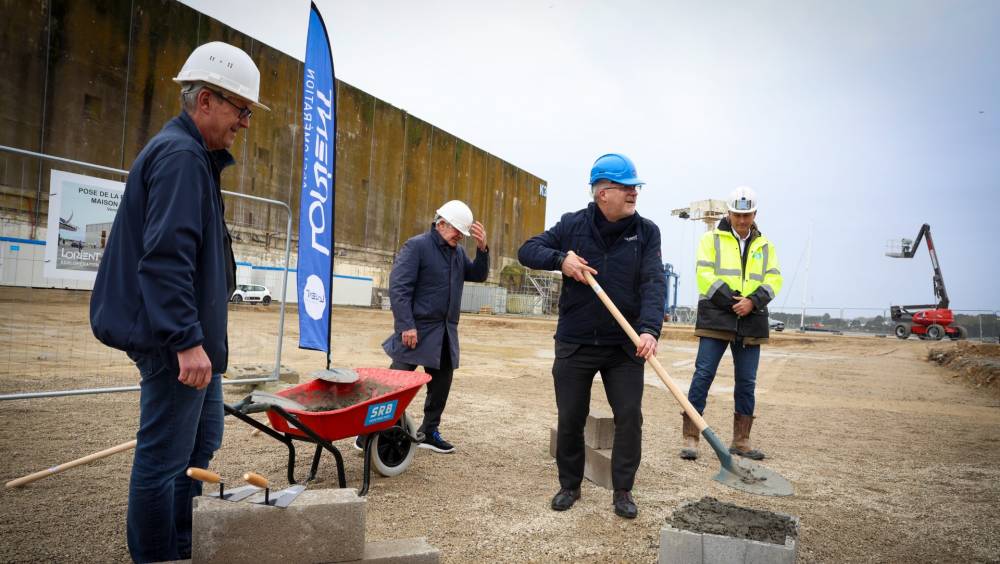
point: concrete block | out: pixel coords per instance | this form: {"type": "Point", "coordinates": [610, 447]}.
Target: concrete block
{"type": "Point", "coordinates": [599, 432]}
{"type": "Point", "coordinates": [553, 439]}
{"type": "Point", "coordinates": [679, 547]}
{"type": "Point", "coordinates": [403, 551]}
{"type": "Point", "coordinates": [597, 467]}
{"type": "Point", "coordinates": [319, 526]}
{"type": "Point", "coordinates": [717, 549]}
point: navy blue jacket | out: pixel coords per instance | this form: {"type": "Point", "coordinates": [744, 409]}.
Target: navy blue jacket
{"type": "Point", "coordinates": [630, 271]}
{"type": "Point", "coordinates": [167, 272]}
{"type": "Point", "coordinates": [425, 290]}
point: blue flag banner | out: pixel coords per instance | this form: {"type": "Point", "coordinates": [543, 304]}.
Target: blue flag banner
{"type": "Point", "coordinates": [315, 266]}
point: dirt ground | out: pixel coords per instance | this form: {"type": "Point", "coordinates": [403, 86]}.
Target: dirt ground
{"type": "Point", "coordinates": [893, 458]}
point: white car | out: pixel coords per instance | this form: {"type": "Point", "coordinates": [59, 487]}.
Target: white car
{"type": "Point", "coordinates": [251, 293]}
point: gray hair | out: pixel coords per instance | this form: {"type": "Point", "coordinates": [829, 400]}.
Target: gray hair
{"type": "Point", "coordinates": [189, 95]}
{"type": "Point", "coordinates": [599, 185]}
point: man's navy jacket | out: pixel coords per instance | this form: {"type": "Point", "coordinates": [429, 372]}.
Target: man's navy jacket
{"type": "Point", "coordinates": [630, 271]}
{"type": "Point", "coordinates": [164, 282]}
{"type": "Point", "coordinates": [425, 290]}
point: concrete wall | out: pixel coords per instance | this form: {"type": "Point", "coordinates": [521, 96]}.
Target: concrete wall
{"type": "Point", "coordinates": [90, 80]}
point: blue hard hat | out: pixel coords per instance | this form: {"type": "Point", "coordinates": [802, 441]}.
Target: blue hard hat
{"type": "Point", "coordinates": [615, 167]}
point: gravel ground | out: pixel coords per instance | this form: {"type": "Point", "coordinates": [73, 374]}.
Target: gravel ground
{"type": "Point", "coordinates": [892, 459]}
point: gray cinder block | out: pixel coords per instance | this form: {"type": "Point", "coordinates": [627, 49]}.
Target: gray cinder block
{"type": "Point", "coordinates": [687, 547]}
{"type": "Point", "coordinates": [599, 432]}
{"type": "Point", "coordinates": [319, 526]}
{"type": "Point", "coordinates": [597, 466]}
{"type": "Point", "coordinates": [403, 551]}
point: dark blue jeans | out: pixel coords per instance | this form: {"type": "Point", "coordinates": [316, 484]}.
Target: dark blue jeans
{"type": "Point", "coordinates": [179, 427]}
{"type": "Point", "coordinates": [745, 359]}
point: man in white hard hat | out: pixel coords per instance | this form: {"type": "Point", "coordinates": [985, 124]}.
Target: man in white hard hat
{"type": "Point", "coordinates": [425, 291]}
{"type": "Point", "coordinates": [162, 290]}
{"type": "Point", "coordinates": [609, 240]}
{"type": "Point", "coordinates": [738, 276]}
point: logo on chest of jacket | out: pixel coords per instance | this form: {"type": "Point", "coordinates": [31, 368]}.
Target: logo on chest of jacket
{"type": "Point", "coordinates": [632, 238]}
{"type": "Point", "coordinates": [757, 255]}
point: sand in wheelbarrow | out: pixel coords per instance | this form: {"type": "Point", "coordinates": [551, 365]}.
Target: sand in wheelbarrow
{"type": "Point", "coordinates": [712, 516]}
{"type": "Point", "coordinates": [340, 396]}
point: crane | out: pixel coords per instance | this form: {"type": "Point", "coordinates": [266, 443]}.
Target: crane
{"type": "Point", "coordinates": [928, 321]}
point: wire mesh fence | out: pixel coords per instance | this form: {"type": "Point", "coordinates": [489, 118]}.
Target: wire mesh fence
{"type": "Point", "coordinates": [46, 343]}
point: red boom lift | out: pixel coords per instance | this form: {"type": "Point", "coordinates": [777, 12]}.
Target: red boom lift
{"type": "Point", "coordinates": [932, 321]}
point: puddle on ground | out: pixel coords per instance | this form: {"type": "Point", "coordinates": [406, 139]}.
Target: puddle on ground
{"type": "Point", "coordinates": [709, 515]}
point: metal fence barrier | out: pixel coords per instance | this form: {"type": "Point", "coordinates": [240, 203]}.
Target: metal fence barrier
{"type": "Point", "coordinates": [46, 345]}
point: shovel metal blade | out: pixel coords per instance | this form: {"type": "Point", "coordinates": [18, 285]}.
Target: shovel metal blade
{"type": "Point", "coordinates": [753, 478]}
{"type": "Point", "coordinates": [744, 475]}
{"type": "Point", "coordinates": [336, 375]}
{"type": "Point", "coordinates": [266, 398]}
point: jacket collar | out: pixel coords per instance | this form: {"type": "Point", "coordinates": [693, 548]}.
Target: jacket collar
{"type": "Point", "coordinates": [221, 158]}
{"type": "Point", "coordinates": [438, 239]}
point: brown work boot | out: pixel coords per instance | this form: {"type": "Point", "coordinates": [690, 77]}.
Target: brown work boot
{"type": "Point", "coordinates": [741, 438]}
{"type": "Point", "coordinates": [690, 431]}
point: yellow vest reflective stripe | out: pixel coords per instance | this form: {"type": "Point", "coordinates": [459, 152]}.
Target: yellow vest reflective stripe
{"type": "Point", "coordinates": [719, 263]}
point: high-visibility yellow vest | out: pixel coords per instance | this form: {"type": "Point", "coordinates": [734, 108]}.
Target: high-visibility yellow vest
{"type": "Point", "coordinates": [719, 262]}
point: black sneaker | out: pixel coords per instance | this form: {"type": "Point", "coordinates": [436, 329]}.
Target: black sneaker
{"type": "Point", "coordinates": [624, 504]}
{"type": "Point", "coordinates": [565, 498]}
{"type": "Point", "coordinates": [434, 442]}
{"type": "Point", "coordinates": [359, 443]}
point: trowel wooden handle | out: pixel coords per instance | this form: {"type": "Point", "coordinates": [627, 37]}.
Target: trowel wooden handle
{"type": "Point", "coordinates": [203, 475]}
{"type": "Point", "coordinates": [689, 409]}
{"type": "Point", "coordinates": [256, 480]}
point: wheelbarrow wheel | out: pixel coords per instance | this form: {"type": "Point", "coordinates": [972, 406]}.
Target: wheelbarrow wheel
{"type": "Point", "coordinates": [392, 450]}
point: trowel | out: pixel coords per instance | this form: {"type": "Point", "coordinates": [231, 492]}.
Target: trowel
{"type": "Point", "coordinates": [336, 375]}
{"type": "Point", "coordinates": [739, 474]}
{"type": "Point", "coordinates": [282, 498]}
{"type": "Point", "coordinates": [235, 494]}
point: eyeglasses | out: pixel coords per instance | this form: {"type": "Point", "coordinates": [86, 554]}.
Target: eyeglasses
{"type": "Point", "coordinates": [623, 188]}
{"type": "Point", "coordinates": [245, 111]}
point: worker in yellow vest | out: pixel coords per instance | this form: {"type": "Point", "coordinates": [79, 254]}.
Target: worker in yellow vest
{"type": "Point", "coordinates": [738, 276]}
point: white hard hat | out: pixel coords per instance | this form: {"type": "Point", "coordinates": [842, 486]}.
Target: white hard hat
{"type": "Point", "coordinates": [223, 65]}
{"type": "Point", "coordinates": [742, 200]}
{"type": "Point", "coordinates": [457, 214]}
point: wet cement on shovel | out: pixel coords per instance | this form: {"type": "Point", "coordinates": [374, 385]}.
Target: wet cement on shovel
{"type": "Point", "coordinates": [709, 515]}
{"type": "Point", "coordinates": [342, 395]}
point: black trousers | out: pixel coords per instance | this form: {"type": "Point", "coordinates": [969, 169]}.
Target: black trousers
{"type": "Point", "coordinates": [622, 373]}
{"type": "Point", "coordinates": [437, 388]}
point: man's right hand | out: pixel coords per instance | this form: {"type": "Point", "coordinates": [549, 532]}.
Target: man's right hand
{"type": "Point", "coordinates": [574, 266]}
{"type": "Point", "coordinates": [196, 369]}
{"type": "Point", "coordinates": [410, 338]}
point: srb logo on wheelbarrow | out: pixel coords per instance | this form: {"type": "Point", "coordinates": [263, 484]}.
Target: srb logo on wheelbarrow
{"type": "Point", "coordinates": [380, 412]}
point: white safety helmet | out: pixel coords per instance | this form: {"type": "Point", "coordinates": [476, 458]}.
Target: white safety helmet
{"type": "Point", "coordinates": [223, 65]}
{"type": "Point", "coordinates": [742, 200]}
{"type": "Point", "coordinates": [457, 214]}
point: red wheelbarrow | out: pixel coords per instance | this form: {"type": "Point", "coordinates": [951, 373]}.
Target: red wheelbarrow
{"type": "Point", "coordinates": [373, 406]}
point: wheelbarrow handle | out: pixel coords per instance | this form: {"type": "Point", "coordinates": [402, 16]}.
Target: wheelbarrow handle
{"type": "Point", "coordinates": [689, 409]}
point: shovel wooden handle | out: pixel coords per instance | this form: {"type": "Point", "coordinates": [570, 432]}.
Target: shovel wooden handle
{"type": "Point", "coordinates": [203, 475]}
{"type": "Point", "coordinates": [72, 464]}
{"type": "Point", "coordinates": [256, 480]}
{"type": "Point", "coordinates": [660, 370]}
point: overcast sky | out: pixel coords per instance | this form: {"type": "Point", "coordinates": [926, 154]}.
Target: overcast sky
{"type": "Point", "coordinates": [855, 120]}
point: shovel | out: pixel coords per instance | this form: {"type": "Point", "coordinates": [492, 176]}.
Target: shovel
{"type": "Point", "coordinates": [336, 375]}
{"type": "Point", "coordinates": [742, 474]}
